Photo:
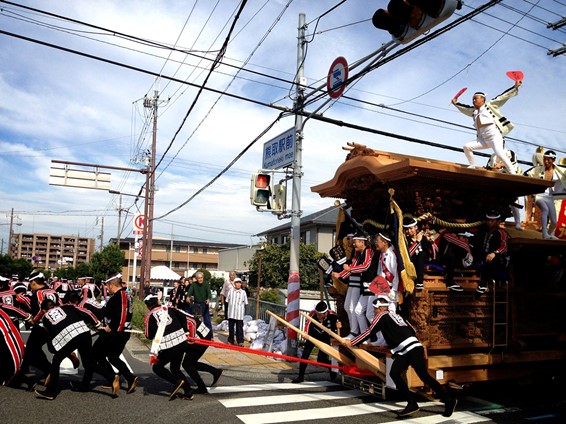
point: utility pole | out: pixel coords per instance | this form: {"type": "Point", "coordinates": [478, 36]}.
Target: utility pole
{"type": "Point", "coordinates": [119, 220]}
{"type": "Point", "coordinates": [10, 233]}
{"type": "Point", "coordinates": [102, 233]}
{"type": "Point", "coordinates": [294, 282]}
{"type": "Point", "coordinates": [145, 273]}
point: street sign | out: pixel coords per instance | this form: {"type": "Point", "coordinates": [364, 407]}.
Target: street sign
{"type": "Point", "coordinates": [279, 151]}
{"type": "Point", "coordinates": [139, 220]}
{"type": "Point", "coordinates": [78, 178]}
{"type": "Point", "coordinates": [337, 76]}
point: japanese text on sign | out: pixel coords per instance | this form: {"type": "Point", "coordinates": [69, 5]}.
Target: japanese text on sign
{"type": "Point", "coordinates": [279, 151]}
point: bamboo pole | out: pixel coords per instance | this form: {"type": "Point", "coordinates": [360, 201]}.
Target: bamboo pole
{"type": "Point", "coordinates": [366, 360]}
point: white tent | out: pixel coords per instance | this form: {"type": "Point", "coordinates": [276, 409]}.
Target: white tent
{"type": "Point", "coordinates": [162, 272]}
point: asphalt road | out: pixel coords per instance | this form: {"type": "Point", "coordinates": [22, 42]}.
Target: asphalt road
{"type": "Point", "coordinates": [255, 396]}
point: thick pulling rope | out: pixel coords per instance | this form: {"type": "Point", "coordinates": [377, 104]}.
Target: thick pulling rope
{"type": "Point", "coordinates": [349, 370]}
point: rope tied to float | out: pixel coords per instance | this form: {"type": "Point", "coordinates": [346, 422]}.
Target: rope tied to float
{"type": "Point", "coordinates": [349, 370]}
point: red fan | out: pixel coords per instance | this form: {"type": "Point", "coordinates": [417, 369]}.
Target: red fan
{"type": "Point", "coordinates": [460, 92]}
{"type": "Point", "coordinates": [515, 75]}
{"type": "Point", "coordinates": [379, 285]}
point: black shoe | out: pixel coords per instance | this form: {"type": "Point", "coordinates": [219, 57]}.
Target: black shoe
{"type": "Point", "coordinates": [200, 391]}
{"type": "Point", "coordinates": [44, 394]}
{"type": "Point", "coordinates": [187, 395]}
{"type": "Point", "coordinates": [79, 387]}
{"type": "Point", "coordinates": [419, 286]}
{"type": "Point", "coordinates": [411, 408]}
{"type": "Point", "coordinates": [481, 289]}
{"type": "Point", "coordinates": [449, 407]}
{"type": "Point", "coordinates": [177, 389]}
{"type": "Point", "coordinates": [217, 374]}
{"type": "Point", "coordinates": [456, 287]}
{"type": "Point", "coordinates": [132, 387]}
{"type": "Point", "coordinates": [299, 379]}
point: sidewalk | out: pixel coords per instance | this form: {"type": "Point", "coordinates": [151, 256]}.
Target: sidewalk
{"type": "Point", "coordinates": [240, 364]}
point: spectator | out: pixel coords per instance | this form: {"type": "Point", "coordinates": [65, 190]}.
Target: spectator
{"type": "Point", "coordinates": [199, 296]}
{"type": "Point", "coordinates": [237, 301]}
{"type": "Point", "coordinates": [228, 285]}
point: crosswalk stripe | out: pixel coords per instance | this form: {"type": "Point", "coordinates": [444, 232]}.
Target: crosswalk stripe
{"type": "Point", "coordinates": [315, 413]}
{"type": "Point", "coordinates": [294, 398]}
{"type": "Point", "coordinates": [354, 410]}
{"type": "Point", "coordinates": [268, 386]}
{"type": "Point", "coordinates": [333, 412]}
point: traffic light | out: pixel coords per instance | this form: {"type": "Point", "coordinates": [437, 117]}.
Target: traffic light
{"type": "Point", "coordinates": [260, 193]}
{"type": "Point", "coordinates": [407, 19]}
{"type": "Point", "coordinates": [279, 203]}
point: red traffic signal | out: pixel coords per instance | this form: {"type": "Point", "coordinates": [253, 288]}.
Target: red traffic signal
{"type": "Point", "coordinates": [260, 193]}
{"type": "Point", "coordinates": [407, 19]}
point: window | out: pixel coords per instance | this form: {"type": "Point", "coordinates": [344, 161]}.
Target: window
{"type": "Point", "coordinates": [194, 249]}
{"type": "Point", "coordinates": [204, 250]}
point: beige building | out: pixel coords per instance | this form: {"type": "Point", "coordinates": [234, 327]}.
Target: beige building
{"type": "Point", "coordinates": [50, 251]}
{"type": "Point", "coordinates": [178, 255]}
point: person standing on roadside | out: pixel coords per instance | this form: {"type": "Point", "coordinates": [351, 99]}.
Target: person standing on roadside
{"type": "Point", "coordinates": [226, 287]}
{"type": "Point", "coordinates": [199, 295]}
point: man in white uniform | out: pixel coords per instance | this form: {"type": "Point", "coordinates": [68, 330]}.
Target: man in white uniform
{"type": "Point", "coordinates": [490, 124]}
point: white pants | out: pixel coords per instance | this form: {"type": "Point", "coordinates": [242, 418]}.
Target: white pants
{"type": "Point", "coordinates": [350, 302]}
{"type": "Point", "coordinates": [494, 141]}
{"type": "Point", "coordinates": [546, 204]}
{"type": "Point", "coordinates": [360, 312]}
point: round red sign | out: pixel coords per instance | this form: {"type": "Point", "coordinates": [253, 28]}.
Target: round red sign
{"type": "Point", "coordinates": [337, 77]}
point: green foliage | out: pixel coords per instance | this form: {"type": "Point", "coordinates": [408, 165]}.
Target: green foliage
{"type": "Point", "coordinates": [106, 262]}
{"type": "Point", "coordinates": [270, 295]}
{"type": "Point", "coordinates": [9, 267]}
{"type": "Point", "coordinates": [216, 283]}
{"type": "Point", "coordinates": [275, 266]}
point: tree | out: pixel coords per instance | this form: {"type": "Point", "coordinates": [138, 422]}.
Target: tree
{"type": "Point", "coordinates": [275, 266]}
{"type": "Point", "coordinates": [106, 262]}
{"type": "Point", "coordinates": [9, 267]}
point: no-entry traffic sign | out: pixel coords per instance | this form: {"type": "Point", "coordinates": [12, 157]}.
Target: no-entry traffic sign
{"type": "Point", "coordinates": [337, 76]}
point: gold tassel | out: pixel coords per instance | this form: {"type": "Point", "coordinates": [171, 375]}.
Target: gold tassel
{"type": "Point", "coordinates": [409, 274]}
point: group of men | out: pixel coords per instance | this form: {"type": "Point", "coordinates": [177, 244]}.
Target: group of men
{"type": "Point", "coordinates": [64, 324]}
{"type": "Point", "coordinates": [491, 128]}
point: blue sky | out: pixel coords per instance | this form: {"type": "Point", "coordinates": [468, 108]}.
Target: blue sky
{"type": "Point", "coordinates": [55, 105]}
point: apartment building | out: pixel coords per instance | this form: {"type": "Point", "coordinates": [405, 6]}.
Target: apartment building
{"type": "Point", "coordinates": [52, 251]}
{"type": "Point", "coordinates": [178, 255]}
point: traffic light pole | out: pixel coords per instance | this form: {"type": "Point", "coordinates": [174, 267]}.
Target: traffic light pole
{"type": "Point", "coordinates": [294, 282]}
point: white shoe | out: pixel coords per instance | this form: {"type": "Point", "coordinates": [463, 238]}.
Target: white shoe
{"type": "Point", "coordinates": [349, 336]}
{"type": "Point", "coordinates": [472, 166]}
{"type": "Point", "coordinates": [553, 237]}
{"type": "Point", "coordinates": [518, 227]}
